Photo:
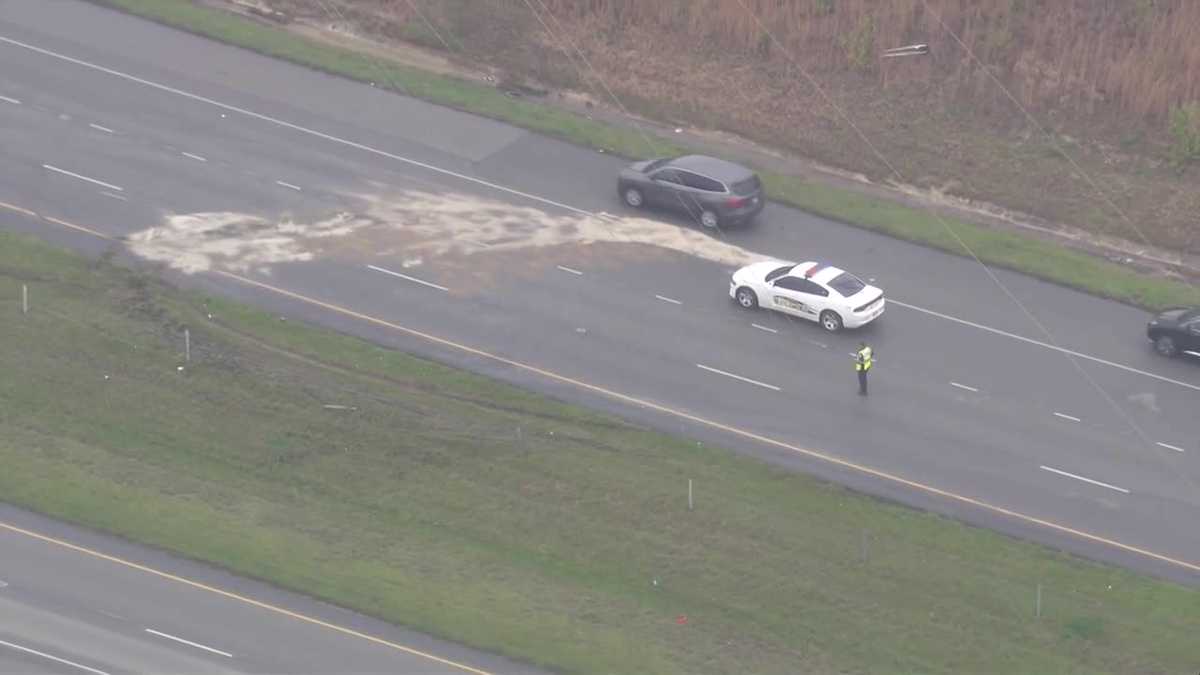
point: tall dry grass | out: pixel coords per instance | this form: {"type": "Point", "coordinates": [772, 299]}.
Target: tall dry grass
{"type": "Point", "coordinates": [1136, 57]}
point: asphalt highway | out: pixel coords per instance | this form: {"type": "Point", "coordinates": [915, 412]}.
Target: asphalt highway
{"type": "Point", "coordinates": [1013, 403]}
{"type": "Point", "coordinates": [98, 608]}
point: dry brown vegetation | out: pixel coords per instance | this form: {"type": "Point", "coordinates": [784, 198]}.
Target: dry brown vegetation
{"type": "Point", "coordinates": [1081, 57]}
{"type": "Point", "coordinates": [1102, 77]}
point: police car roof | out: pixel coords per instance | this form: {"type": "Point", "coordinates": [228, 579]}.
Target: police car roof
{"type": "Point", "coordinates": [816, 271]}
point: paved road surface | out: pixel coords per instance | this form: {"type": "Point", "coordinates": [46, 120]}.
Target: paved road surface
{"type": "Point", "coordinates": [67, 611]}
{"type": "Point", "coordinates": [1018, 395]}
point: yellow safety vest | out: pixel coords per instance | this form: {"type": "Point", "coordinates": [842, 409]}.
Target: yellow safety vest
{"type": "Point", "coordinates": [864, 359]}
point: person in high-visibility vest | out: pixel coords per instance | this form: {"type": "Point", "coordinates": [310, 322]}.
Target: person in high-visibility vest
{"type": "Point", "coordinates": [862, 364]}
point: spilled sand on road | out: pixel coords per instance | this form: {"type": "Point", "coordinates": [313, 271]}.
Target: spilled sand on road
{"type": "Point", "coordinates": [438, 230]}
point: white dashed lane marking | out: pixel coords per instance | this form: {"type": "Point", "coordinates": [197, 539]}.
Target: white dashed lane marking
{"type": "Point", "coordinates": [495, 186]}
{"type": "Point", "coordinates": [963, 386]}
{"type": "Point", "coordinates": [289, 125]}
{"type": "Point", "coordinates": [51, 657]}
{"type": "Point", "coordinates": [1085, 480]}
{"type": "Point", "coordinates": [1045, 345]}
{"type": "Point", "coordinates": [1169, 447]}
{"type": "Point", "coordinates": [670, 300]}
{"type": "Point", "coordinates": [764, 385]}
{"type": "Point", "coordinates": [769, 330]}
{"type": "Point", "coordinates": [198, 158]}
{"type": "Point", "coordinates": [10, 100]}
{"type": "Point", "coordinates": [1066, 417]}
{"type": "Point", "coordinates": [106, 130]}
{"type": "Point", "coordinates": [189, 643]}
{"type": "Point", "coordinates": [407, 278]}
{"type": "Point", "coordinates": [569, 270]}
{"type": "Point", "coordinates": [77, 176]}
{"type": "Point", "coordinates": [288, 185]}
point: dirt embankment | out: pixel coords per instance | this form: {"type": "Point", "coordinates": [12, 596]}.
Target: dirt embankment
{"type": "Point", "coordinates": [1061, 110]}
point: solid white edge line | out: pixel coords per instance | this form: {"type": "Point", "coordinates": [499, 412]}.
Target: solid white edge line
{"type": "Point", "coordinates": [764, 385]}
{"type": "Point", "coordinates": [10, 100]}
{"type": "Point", "coordinates": [53, 658]}
{"type": "Point", "coordinates": [101, 183]}
{"type": "Point", "coordinates": [288, 185]}
{"type": "Point", "coordinates": [294, 127]}
{"type": "Point", "coordinates": [1086, 480]}
{"type": "Point", "coordinates": [109, 194]}
{"type": "Point", "coordinates": [519, 192]}
{"type": "Point", "coordinates": [568, 269]}
{"type": "Point", "coordinates": [197, 645]}
{"type": "Point", "coordinates": [664, 298]}
{"type": "Point", "coordinates": [1170, 447]}
{"type": "Point", "coordinates": [408, 278]}
{"type": "Point", "coordinates": [1067, 417]}
{"type": "Point", "coordinates": [1061, 350]}
{"type": "Point", "coordinates": [106, 130]}
{"type": "Point", "coordinates": [963, 386]}
{"type": "Point", "coordinates": [198, 158]}
{"type": "Point", "coordinates": [769, 330]}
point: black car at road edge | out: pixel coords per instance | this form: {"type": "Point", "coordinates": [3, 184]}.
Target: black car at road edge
{"type": "Point", "coordinates": [712, 191]}
{"type": "Point", "coordinates": [1176, 331]}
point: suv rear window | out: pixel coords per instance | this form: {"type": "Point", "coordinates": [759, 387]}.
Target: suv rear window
{"type": "Point", "coordinates": [699, 182]}
{"type": "Point", "coordinates": [748, 186]}
{"type": "Point", "coordinates": [847, 284]}
{"type": "Point", "coordinates": [655, 164]}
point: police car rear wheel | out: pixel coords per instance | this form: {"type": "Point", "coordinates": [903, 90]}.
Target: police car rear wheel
{"type": "Point", "coordinates": [830, 321]}
{"type": "Point", "coordinates": [746, 298]}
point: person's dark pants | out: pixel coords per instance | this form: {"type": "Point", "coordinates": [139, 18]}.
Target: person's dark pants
{"type": "Point", "coordinates": [862, 383]}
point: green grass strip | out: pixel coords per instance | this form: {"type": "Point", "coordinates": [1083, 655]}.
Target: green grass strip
{"type": "Point", "coordinates": [1039, 258]}
{"type": "Point", "coordinates": [476, 511]}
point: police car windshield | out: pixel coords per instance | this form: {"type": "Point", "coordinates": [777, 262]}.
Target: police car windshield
{"type": "Point", "coordinates": [778, 272]}
{"type": "Point", "coordinates": [847, 284]}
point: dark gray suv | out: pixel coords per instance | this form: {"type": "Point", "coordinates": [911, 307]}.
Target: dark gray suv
{"type": "Point", "coordinates": [710, 190]}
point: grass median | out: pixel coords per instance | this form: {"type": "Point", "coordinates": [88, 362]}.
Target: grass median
{"type": "Point", "coordinates": [1037, 257]}
{"type": "Point", "coordinates": [458, 505]}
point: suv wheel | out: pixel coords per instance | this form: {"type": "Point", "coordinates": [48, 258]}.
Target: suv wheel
{"type": "Point", "coordinates": [709, 219]}
{"type": "Point", "coordinates": [1165, 345]}
{"type": "Point", "coordinates": [633, 197]}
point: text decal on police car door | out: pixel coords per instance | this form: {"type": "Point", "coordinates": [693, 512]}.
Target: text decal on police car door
{"type": "Point", "coordinates": [788, 303]}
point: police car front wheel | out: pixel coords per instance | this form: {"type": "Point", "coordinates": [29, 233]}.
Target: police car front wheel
{"type": "Point", "coordinates": [746, 298]}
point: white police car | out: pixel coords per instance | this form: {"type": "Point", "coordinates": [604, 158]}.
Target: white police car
{"type": "Point", "coordinates": [830, 296]}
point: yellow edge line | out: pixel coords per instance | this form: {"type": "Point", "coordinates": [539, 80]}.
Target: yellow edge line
{"type": "Point", "coordinates": [10, 207]}
{"type": "Point", "coordinates": [80, 228]}
{"type": "Point", "coordinates": [583, 385]}
{"type": "Point", "coordinates": [718, 425]}
{"type": "Point", "coordinates": [235, 596]}
{"type": "Point", "coordinates": [195, 584]}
